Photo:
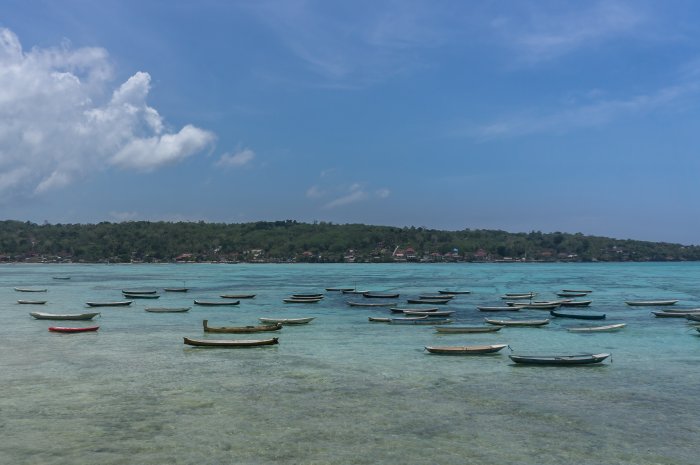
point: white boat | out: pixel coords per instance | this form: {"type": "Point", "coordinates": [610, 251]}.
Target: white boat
{"type": "Point", "coordinates": [63, 316]}
{"type": "Point", "coordinates": [465, 350]}
{"type": "Point", "coordinates": [32, 302]}
{"type": "Point", "coordinates": [29, 289]}
{"type": "Point", "coordinates": [287, 321]}
{"type": "Point", "coordinates": [597, 329]}
{"type": "Point", "coordinates": [649, 303]}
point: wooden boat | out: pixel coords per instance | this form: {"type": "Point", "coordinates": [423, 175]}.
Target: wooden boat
{"type": "Point", "coordinates": [428, 301]}
{"type": "Point", "coordinates": [578, 359]}
{"type": "Point", "coordinates": [682, 310]}
{"type": "Point", "coordinates": [674, 314]}
{"type": "Point", "coordinates": [541, 305]}
{"type": "Point", "coordinates": [517, 322]}
{"type": "Point", "coordinates": [240, 329]}
{"type": "Point", "coordinates": [293, 300]}
{"type": "Point", "coordinates": [597, 329]}
{"type": "Point", "coordinates": [217, 303]}
{"type": "Point", "coordinates": [139, 291]}
{"type": "Point", "coordinates": [237, 296]}
{"type": "Point", "coordinates": [141, 296]}
{"type": "Point", "coordinates": [308, 296]}
{"type": "Point", "coordinates": [414, 309]}
{"type": "Point", "coordinates": [377, 319]}
{"type": "Point", "coordinates": [467, 329]}
{"type": "Point", "coordinates": [287, 321]}
{"type": "Point", "coordinates": [339, 289]}
{"type": "Point", "coordinates": [354, 291]}
{"type": "Point", "coordinates": [509, 308]}
{"type": "Point", "coordinates": [63, 316]}
{"type": "Point", "coordinates": [61, 277]}
{"type": "Point", "coordinates": [519, 296]}
{"type": "Point", "coordinates": [584, 291]}
{"type": "Point", "coordinates": [465, 350]}
{"type": "Point", "coordinates": [572, 294]}
{"type": "Point", "coordinates": [575, 303]}
{"type": "Point", "coordinates": [649, 303]}
{"type": "Point", "coordinates": [230, 342]}
{"type": "Point", "coordinates": [363, 304]}
{"type": "Point", "coordinates": [429, 314]}
{"type": "Point", "coordinates": [380, 295]}
{"type": "Point", "coordinates": [64, 329]}
{"type": "Point", "coordinates": [436, 296]}
{"type": "Point", "coordinates": [29, 289]}
{"type": "Point", "coordinates": [693, 316]}
{"type": "Point", "coordinates": [32, 302]}
{"type": "Point", "coordinates": [118, 303]}
{"type": "Point", "coordinates": [167, 309]}
{"type": "Point", "coordinates": [420, 320]}
{"type": "Point", "coordinates": [176, 289]}
{"type": "Point", "coordinates": [454, 292]}
{"type": "Point", "coordinates": [577, 315]}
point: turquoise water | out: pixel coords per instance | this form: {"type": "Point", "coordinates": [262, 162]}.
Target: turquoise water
{"type": "Point", "coordinates": [342, 390]}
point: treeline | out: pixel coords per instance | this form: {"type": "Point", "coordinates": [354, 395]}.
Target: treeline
{"type": "Point", "coordinates": [318, 242]}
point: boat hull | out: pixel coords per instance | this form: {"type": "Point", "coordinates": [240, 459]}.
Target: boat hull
{"type": "Point", "coordinates": [467, 329]}
{"type": "Point", "coordinates": [230, 343]}
{"type": "Point", "coordinates": [67, 330]}
{"type": "Point", "coordinates": [64, 316]}
{"type": "Point", "coordinates": [466, 350]}
{"type": "Point", "coordinates": [240, 329]}
{"type": "Point", "coordinates": [579, 359]}
{"type": "Point", "coordinates": [578, 316]}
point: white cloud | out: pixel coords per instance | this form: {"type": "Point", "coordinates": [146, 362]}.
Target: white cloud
{"type": "Point", "coordinates": [314, 192]}
{"type": "Point", "coordinates": [586, 115]}
{"type": "Point", "coordinates": [354, 194]}
{"type": "Point", "coordinates": [545, 33]}
{"type": "Point", "coordinates": [240, 158]}
{"type": "Point", "coordinates": [58, 122]}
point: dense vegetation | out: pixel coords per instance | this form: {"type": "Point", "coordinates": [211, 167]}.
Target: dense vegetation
{"type": "Point", "coordinates": [326, 242]}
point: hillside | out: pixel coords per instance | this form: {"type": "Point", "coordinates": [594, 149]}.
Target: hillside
{"type": "Point", "coordinates": [291, 241]}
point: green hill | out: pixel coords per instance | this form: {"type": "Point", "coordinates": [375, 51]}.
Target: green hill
{"type": "Point", "coordinates": [291, 241]}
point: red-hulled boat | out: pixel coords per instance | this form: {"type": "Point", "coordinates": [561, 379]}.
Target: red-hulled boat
{"type": "Point", "coordinates": [65, 329]}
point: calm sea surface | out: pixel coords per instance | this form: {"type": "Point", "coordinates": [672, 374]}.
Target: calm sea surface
{"type": "Point", "coordinates": [341, 390]}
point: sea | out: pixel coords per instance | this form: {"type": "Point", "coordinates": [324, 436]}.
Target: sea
{"type": "Point", "coordinates": [342, 390]}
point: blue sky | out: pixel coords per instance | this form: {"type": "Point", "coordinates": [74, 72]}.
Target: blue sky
{"type": "Point", "coordinates": [521, 116]}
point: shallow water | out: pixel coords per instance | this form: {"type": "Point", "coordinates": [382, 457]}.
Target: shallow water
{"type": "Point", "coordinates": [342, 390]}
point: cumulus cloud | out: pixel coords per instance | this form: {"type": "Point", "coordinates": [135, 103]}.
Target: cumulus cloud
{"type": "Point", "coordinates": [240, 158]}
{"type": "Point", "coordinates": [59, 121]}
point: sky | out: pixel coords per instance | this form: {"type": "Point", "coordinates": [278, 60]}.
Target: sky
{"type": "Point", "coordinates": [514, 115]}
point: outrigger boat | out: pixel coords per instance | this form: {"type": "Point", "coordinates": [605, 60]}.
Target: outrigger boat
{"type": "Point", "coordinates": [63, 316]}
{"type": "Point", "coordinates": [465, 350]}
{"type": "Point", "coordinates": [597, 329]}
{"type": "Point", "coordinates": [428, 314]}
{"type": "Point", "coordinates": [454, 292]}
{"type": "Point", "coordinates": [575, 303]}
{"type": "Point", "coordinates": [141, 296]}
{"type": "Point", "coordinates": [414, 309]}
{"type": "Point", "coordinates": [118, 303]}
{"type": "Point", "coordinates": [517, 322]}
{"type": "Point", "coordinates": [176, 289]}
{"type": "Point", "coordinates": [287, 321]}
{"type": "Point", "coordinates": [230, 342]}
{"type": "Point", "coordinates": [64, 329]}
{"type": "Point", "coordinates": [579, 359]}
{"type": "Point", "coordinates": [572, 294]}
{"type": "Point", "coordinates": [240, 329]}
{"type": "Point", "coordinates": [29, 289]}
{"type": "Point", "coordinates": [362, 304]}
{"type": "Point", "coordinates": [296, 300]}
{"type": "Point", "coordinates": [139, 291]}
{"type": "Point", "coordinates": [577, 315]}
{"type": "Point", "coordinates": [339, 289]}
{"type": "Point", "coordinates": [380, 295]}
{"type": "Point", "coordinates": [217, 303]}
{"type": "Point", "coordinates": [649, 303]}
{"type": "Point", "coordinates": [509, 308]}
{"type": "Point", "coordinates": [167, 309]}
{"type": "Point", "coordinates": [467, 329]}
{"type": "Point", "coordinates": [237, 296]}
{"type": "Point", "coordinates": [32, 302]}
